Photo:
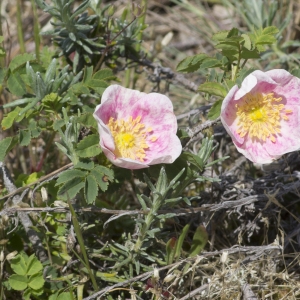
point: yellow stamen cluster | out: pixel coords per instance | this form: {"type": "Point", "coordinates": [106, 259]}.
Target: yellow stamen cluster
{"type": "Point", "coordinates": [260, 115]}
{"type": "Point", "coordinates": [130, 138]}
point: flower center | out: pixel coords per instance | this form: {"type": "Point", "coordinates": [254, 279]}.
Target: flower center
{"type": "Point", "coordinates": [260, 115]}
{"type": "Point", "coordinates": [131, 137]}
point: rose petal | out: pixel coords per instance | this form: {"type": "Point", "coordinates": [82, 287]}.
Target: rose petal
{"type": "Point", "coordinates": [156, 113]}
{"type": "Point", "coordinates": [282, 85]}
{"type": "Point", "coordinates": [117, 102]}
{"type": "Point", "coordinates": [281, 77]}
{"type": "Point", "coordinates": [251, 81]}
{"type": "Point", "coordinates": [289, 138]}
{"type": "Point", "coordinates": [166, 149]}
{"type": "Point", "coordinates": [256, 152]}
{"type": "Point", "coordinates": [228, 116]}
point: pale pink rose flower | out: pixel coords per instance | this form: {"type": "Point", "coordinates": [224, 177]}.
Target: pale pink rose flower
{"type": "Point", "coordinates": [262, 116]}
{"type": "Point", "coordinates": [137, 129]}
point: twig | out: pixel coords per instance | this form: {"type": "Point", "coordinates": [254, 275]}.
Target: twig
{"type": "Point", "coordinates": [193, 112]}
{"type": "Point", "coordinates": [24, 218]}
{"type": "Point", "coordinates": [158, 70]}
{"type": "Point", "coordinates": [178, 212]}
{"type": "Point", "coordinates": [193, 133]}
{"type": "Point", "coordinates": [53, 174]}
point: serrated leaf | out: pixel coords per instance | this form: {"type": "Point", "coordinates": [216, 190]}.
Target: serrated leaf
{"type": "Point", "coordinates": [191, 63]}
{"type": "Point", "coordinates": [90, 189]}
{"type": "Point", "coordinates": [64, 296]}
{"type": "Point", "coordinates": [34, 266]}
{"type": "Point", "coordinates": [247, 41]}
{"type": "Point", "coordinates": [18, 264]}
{"type": "Point", "coordinates": [37, 292]}
{"type": "Point", "coordinates": [79, 88]}
{"type": "Point", "coordinates": [213, 88]}
{"type": "Point", "coordinates": [103, 175]}
{"type": "Point", "coordinates": [86, 165]}
{"type": "Point", "coordinates": [36, 281]}
{"type": "Point", "coordinates": [233, 46]}
{"type": "Point", "coordinates": [199, 241]}
{"type": "Point", "coordinates": [35, 130]}
{"type": "Point", "coordinates": [210, 63]}
{"type": "Point", "coordinates": [18, 282]}
{"type": "Point", "coordinates": [96, 84]}
{"type": "Point", "coordinates": [20, 60]}
{"type": "Point", "coordinates": [70, 194]}
{"type": "Point", "coordinates": [24, 137]}
{"type": "Point", "coordinates": [249, 54]}
{"type": "Point", "coordinates": [220, 36]}
{"type": "Point", "coordinates": [265, 39]}
{"type": "Point", "coordinates": [87, 120]}
{"type": "Point", "coordinates": [215, 110]}
{"type": "Point", "coordinates": [67, 175]}
{"type": "Point", "coordinates": [234, 39]}
{"type": "Point", "coordinates": [270, 30]}
{"type": "Point", "coordinates": [89, 146]}
{"type": "Point", "coordinates": [16, 84]}
{"type": "Point", "coordinates": [27, 294]}
{"type": "Point", "coordinates": [104, 74]}
{"type": "Point", "coordinates": [73, 182]}
{"type": "Point", "coordinates": [233, 32]}
{"type": "Point", "coordinates": [8, 120]}
{"type": "Point", "coordinates": [6, 145]}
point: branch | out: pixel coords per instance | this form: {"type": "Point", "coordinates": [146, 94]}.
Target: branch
{"type": "Point", "coordinates": [182, 211]}
{"type": "Point", "coordinates": [24, 218]}
{"type": "Point", "coordinates": [194, 132]}
{"type": "Point", "coordinates": [14, 191]}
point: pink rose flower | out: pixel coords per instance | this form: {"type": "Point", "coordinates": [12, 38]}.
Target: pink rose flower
{"type": "Point", "coordinates": [262, 116]}
{"type": "Point", "coordinates": [137, 129]}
